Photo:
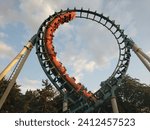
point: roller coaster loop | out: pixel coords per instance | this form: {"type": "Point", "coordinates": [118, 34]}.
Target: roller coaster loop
{"type": "Point", "coordinates": [76, 97]}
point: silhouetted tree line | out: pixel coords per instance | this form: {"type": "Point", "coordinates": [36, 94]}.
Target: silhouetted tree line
{"type": "Point", "coordinates": [42, 100]}
{"type": "Point", "coordinates": [132, 96]}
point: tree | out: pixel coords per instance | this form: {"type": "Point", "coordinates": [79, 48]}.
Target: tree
{"type": "Point", "coordinates": [13, 102]}
{"type": "Point", "coordinates": [134, 96]}
{"type": "Point", "coordinates": [42, 100]}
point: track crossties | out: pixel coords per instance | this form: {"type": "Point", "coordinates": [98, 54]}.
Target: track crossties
{"type": "Point", "coordinates": [80, 98]}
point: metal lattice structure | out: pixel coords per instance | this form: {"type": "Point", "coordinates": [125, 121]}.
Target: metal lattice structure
{"type": "Point", "coordinates": [76, 97]}
{"type": "Point", "coordinates": [57, 78]}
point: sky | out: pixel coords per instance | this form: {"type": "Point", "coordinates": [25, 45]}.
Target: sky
{"type": "Point", "coordinates": [88, 50]}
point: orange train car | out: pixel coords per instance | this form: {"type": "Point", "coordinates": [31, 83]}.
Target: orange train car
{"type": "Point", "coordinates": [62, 69]}
{"type": "Point", "coordinates": [60, 20]}
{"type": "Point", "coordinates": [51, 52]}
{"type": "Point", "coordinates": [55, 24]}
{"type": "Point", "coordinates": [49, 38]}
{"type": "Point", "coordinates": [50, 46]}
{"type": "Point", "coordinates": [56, 62]}
{"type": "Point", "coordinates": [86, 93]}
{"type": "Point", "coordinates": [67, 17]}
{"type": "Point", "coordinates": [70, 80]}
{"type": "Point", "coordinates": [49, 35]}
{"type": "Point", "coordinates": [59, 65]}
{"type": "Point", "coordinates": [79, 87]}
{"type": "Point", "coordinates": [89, 94]}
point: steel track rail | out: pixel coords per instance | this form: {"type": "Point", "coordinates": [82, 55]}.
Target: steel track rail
{"type": "Point", "coordinates": [79, 103]}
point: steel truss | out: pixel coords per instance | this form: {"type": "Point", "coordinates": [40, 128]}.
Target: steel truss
{"type": "Point", "coordinates": [79, 103]}
{"type": "Point", "coordinates": [76, 101]}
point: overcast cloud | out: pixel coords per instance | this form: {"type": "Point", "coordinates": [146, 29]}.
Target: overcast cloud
{"type": "Point", "coordinates": [83, 46]}
{"type": "Point", "coordinates": [6, 51]}
{"type": "Point", "coordinates": [29, 84]}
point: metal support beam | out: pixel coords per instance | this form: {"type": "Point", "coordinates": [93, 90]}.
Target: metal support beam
{"type": "Point", "coordinates": [65, 104]}
{"type": "Point", "coordinates": [14, 61]}
{"type": "Point", "coordinates": [25, 52]}
{"type": "Point", "coordinates": [147, 65]}
{"type": "Point", "coordinates": [142, 56]}
{"type": "Point", "coordinates": [114, 103]}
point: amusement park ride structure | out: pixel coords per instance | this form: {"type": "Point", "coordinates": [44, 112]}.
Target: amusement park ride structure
{"type": "Point", "coordinates": [76, 97]}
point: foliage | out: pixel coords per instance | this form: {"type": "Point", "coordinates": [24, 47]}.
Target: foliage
{"type": "Point", "coordinates": [132, 96]}
{"type": "Point", "coordinates": [14, 100]}
{"type": "Point", "coordinates": [38, 101]}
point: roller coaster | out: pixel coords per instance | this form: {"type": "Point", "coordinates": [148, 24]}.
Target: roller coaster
{"type": "Point", "coordinates": [76, 97]}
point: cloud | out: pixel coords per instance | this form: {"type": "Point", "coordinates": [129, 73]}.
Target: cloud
{"type": "Point", "coordinates": [123, 14]}
{"type": "Point", "coordinates": [6, 51]}
{"type": "Point", "coordinates": [93, 5]}
{"type": "Point", "coordinates": [8, 13]}
{"type": "Point", "coordinates": [30, 13]}
{"type": "Point", "coordinates": [98, 42]}
{"type": "Point", "coordinates": [148, 53]}
{"type": "Point", "coordinates": [78, 77]}
{"type": "Point", "coordinates": [82, 46]}
{"type": "Point", "coordinates": [89, 40]}
{"type": "Point", "coordinates": [85, 47]}
{"type": "Point", "coordinates": [29, 84]}
{"type": "Point", "coordinates": [80, 65]}
{"type": "Point", "coordinates": [90, 66]}
{"type": "Point", "coordinates": [33, 13]}
{"type": "Point", "coordinates": [3, 35]}
{"type": "Point", "coordinates": [88, 46]}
